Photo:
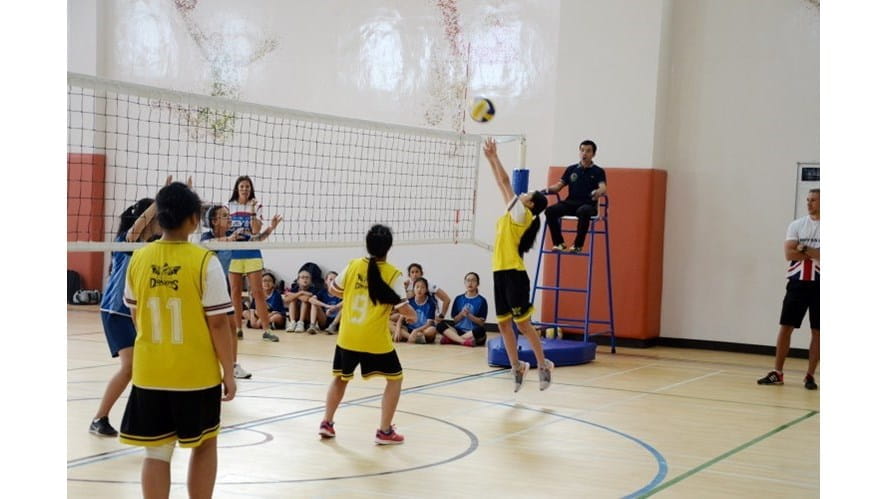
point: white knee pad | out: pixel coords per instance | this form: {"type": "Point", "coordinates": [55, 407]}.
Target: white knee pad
{"type": "Point", "coordinates": [161, 452]}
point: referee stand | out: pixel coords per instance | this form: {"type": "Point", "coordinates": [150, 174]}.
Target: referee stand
{"type": "Point", "coordinates": [598, 228]}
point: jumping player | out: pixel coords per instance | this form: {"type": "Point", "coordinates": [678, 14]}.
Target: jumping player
{"type": "Point", "coordinates": [515, 234]}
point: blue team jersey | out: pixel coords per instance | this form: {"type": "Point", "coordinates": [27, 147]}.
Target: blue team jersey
{"type": "Point", "coordinates": [112, 297]}
{"type": "Point", "coordinates": [424, 312]}
{"type": "Point", "coordinates": [224, 256]}
{"type": "Point", "coordinates": [324, 296]}
{"type": "Point", "coordinates": [240, 219]}
{"type": "Point", "coordinates": [274, 301]}
{"type": "Point", "coordinates": [477, 305]}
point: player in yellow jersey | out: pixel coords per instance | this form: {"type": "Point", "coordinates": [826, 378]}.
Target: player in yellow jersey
{"type": "Point", "coordinates": [370, 288]}
{"type": "Point", "coordinates": [515, 234]}
{"type": "Point", "coordinates": [179, 299]}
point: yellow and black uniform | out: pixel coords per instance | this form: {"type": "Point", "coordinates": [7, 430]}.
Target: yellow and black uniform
{"type": "Point", "coordinates": [511, 286]}
{"type": "Point", "coordinates": [364, 337]}
{"type": "Point", "coordinates": [176, 394]}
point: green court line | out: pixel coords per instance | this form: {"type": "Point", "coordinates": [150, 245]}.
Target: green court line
{"type": "Point", "coordinates": [728, 454]}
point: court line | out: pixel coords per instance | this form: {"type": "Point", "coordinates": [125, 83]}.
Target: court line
{"type": "Point", "coordinates": [473, 444]}
{"type": "Point", "coordinates": [727, 454]}
{"type": "Point", "coordinates": [662, 465]}
{"type": "Point", "coordinates": [661, 462]}
{"type": "Point", "coordinates": [74, 463]}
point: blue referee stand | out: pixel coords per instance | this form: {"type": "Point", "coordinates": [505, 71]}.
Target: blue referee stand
{"type": "Point", "coordinates": [561, 352]}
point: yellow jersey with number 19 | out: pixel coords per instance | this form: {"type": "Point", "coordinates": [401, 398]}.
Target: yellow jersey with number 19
{"type": "Point", "coordinates": [173, 348]}
{"type": "Point", "coordinates": [364, 326]}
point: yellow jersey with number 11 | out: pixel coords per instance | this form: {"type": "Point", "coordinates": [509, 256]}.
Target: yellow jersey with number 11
{"type": "Point", "coordinates": [173, 348]}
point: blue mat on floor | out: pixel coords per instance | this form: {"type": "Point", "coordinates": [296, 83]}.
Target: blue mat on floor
{"type": "Point", "coordinates": [561, 352]}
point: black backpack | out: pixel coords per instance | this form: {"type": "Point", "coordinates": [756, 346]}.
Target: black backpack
{"type": "Point", "coordinates": [73, 284]}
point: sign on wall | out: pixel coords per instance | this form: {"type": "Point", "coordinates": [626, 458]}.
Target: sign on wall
{"type": "Point", "coordinates": [808, 178]}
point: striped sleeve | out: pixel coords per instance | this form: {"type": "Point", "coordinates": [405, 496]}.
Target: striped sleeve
{"type": "Point", "coordinates": [129, 298]}
{"type": "Point", "coordinates": [339, 283]}
{"type": "Point", "coordinates": [216, 299]}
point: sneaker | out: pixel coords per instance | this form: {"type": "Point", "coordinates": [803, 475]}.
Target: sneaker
{"type": "Point", "coordinates": [772, 378]}
{"type": "Point", "coordinates": [545, 375]}
{"type": "Point", "coordinates": [420, 339]}
{"type": "Point", "coordinates": [313, 328]}
{"type": "Point", "coordinates": [575, 249]}
{"type": "Point", "coordinates": [327, 430]}
{"type": "Point", "coordinates": [240, 334]}
{"type": "Point", "coordinates": [469, 342]}
{"type": "Point", "coordinates": [559, 247]}
{"type": "Point", "coordinates": [332, 330]}
{"type": "Point", "coordinates": [444, 340]}
{"type": "Point", "coordinates": [269, 336]}
{"type": "Point", "coordinates": [290, 326]}
{"type": "Point", "coordinates": [102, 427]}
{"type": "Point", "coordinates": [390, 437]}
{"type": "Point", "coordinates": [810, 382]}
{"type": "Point", "coordinates": [300, 328]}
{"type": "Point", "coordinates": [241, 373]}
{"type": "Point", "coordinates": [518, 373]}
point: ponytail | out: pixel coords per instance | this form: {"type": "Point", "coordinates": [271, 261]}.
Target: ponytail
{"type": "Point", "coordinates": [528, 239]}
{"type": "Point", "coordinates": [378, 242]}
{"type": "Point", "coordinates": [380, 291]}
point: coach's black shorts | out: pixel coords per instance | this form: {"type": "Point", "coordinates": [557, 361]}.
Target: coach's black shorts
{"type": "Point", "coordinates": [371, 364]}
{"type": "Point", "coordinates": [158, 417]}
{"type": "Point", "coordinates": [511, 289]}
{"type": "Point", "coordinates": [799, 297]}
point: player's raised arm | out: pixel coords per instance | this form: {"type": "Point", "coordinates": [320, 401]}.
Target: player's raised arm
{"type": "Point", "coordinates": [502, 179]}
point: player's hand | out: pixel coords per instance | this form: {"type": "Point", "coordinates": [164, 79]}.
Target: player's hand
{"type": "Point", "coordinates": [276, 220]}
{"type": "Point", "coordinates": [229, 387]}
{"type": "Point", "coordinates": [490, 148]}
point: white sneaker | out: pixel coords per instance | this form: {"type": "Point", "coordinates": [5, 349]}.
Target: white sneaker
{"type": "Point", "coordinates": [241, 373]}
{"type": "Point", "coordinates": [300, 328]}
{"type": "Point", "coordinates": [290, 326]}
{"type": "Point", "coordinates": [545, 374]}
{"type": "Point", "coordinates": [314, 329]}
{"type": "Point", "coordinates": [518, 373]}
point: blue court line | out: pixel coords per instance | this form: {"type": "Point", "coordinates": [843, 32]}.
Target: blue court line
{"type": "Point", "coordinates": [83, 461]}
{"type": "Point", "coordinates": [661, 462]}
{"type": "Point", "coordinates": [657, 479]}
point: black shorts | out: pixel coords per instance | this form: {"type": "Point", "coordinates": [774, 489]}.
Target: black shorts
{"type": "Point", "coordinates": [511, 289]}
{"type": "Point", "coordinates": [158, 417]}
{"type": "Point", "coordinates": [799, 297]}
{"type": "Point", "coordinates": [371, 364]}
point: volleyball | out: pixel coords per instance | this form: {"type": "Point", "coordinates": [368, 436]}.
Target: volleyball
{"type": "Point", "coordinates": [482, 110]}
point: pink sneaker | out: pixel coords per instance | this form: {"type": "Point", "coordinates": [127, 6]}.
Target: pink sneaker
{"type": "Point", "coordinates": [444, 340]}
{"type": "Point", "coordinates": [327, 430]}
{"type": "Point", "coordinates": [469, 342]}
{"type": "Point", "coordinates": [389, 438]}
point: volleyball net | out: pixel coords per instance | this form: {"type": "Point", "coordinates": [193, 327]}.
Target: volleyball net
{"type": "Point", "coordinates": [330, 178]}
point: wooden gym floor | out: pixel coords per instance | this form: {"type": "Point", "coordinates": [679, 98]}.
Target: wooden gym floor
{"type": "Point", "coordinates": [660, 422]}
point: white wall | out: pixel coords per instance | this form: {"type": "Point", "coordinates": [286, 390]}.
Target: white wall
{"type": "Point", "coordinates": [722, 94]}
{"type": "Point", "coordinates": [743, 108]}
{"type": "Point", "coordinates": [606, 80]}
